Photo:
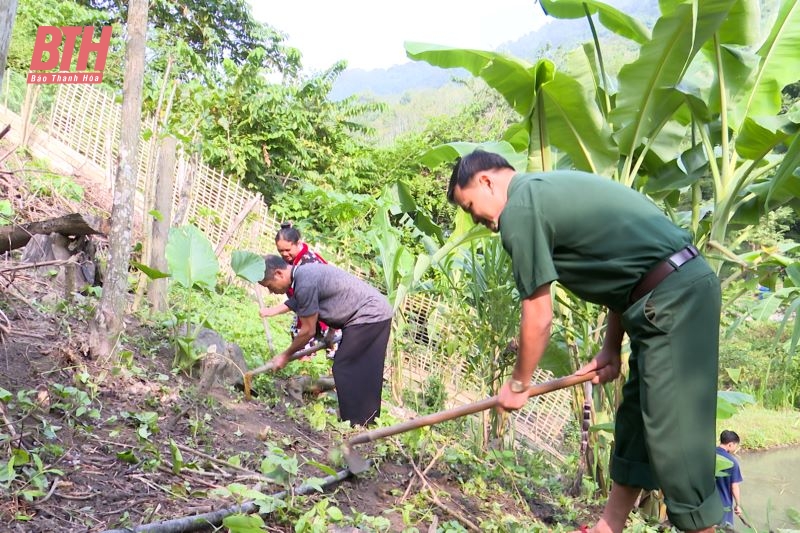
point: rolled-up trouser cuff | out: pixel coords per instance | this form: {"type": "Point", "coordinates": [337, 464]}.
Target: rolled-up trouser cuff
{"type": "Point", "coordinates": [707, 514]}
{"type": "Point", "coordinates": [632, 473]}
{"type": "Point", "coordinates": [684, 517]}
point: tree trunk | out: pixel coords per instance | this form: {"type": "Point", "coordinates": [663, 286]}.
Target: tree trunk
{"type": "Point", "coordinates": [8, 10]}
{"type": "Point", "coordinates": [165, 177]}
{"type": "Point", "coordinates": [107, 325]}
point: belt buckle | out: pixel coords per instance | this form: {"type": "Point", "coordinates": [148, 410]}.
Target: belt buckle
{"type": "Point", "coordinates": [680, 255]}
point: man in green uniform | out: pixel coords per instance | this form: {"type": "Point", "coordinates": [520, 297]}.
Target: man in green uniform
{"type": "Point", "coordinates": [610, 245]}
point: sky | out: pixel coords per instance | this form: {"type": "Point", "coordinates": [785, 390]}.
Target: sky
{"type": "Point", "coordinates": [370, 34]}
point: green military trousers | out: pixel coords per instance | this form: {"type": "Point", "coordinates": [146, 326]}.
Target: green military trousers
{"type": "Point", "coordinates": [665, 431]}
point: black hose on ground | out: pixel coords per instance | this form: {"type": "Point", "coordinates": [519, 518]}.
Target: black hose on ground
{"type": "Point", "coordinates": [206, 521]}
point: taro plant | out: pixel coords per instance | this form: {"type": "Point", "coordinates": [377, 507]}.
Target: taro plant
{"type": "Point", "coordinates": [192, 265]}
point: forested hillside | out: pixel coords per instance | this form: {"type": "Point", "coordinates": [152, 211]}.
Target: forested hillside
{"type": "Point", "coordinates": [550, 40]}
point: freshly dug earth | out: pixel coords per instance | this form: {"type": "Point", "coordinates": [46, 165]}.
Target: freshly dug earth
{"type": "Point", "coordinates": [119, 469]}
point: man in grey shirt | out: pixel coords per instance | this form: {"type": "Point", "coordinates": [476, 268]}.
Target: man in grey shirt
{"type": "Point", "coordinates": [341, 300]}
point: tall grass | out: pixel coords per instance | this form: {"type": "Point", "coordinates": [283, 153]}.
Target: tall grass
{"type": "Point", "coordinates": [753, 359]}
{"type": "Point", "coordinates": [760, 427]}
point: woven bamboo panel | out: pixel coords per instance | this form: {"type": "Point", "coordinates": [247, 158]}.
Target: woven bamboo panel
{"type": "Point", "coordinates": [542, 421]}
{"type": "Point", "coordinates": [88, 121]}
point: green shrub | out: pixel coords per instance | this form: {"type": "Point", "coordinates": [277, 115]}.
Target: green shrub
{"type": "Point", "coordinates": [752, 359]}
{"type": "Point", "coordinates": [41, 182]}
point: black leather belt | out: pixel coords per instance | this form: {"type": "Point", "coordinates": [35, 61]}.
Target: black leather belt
{"type": "Point", "coordinates": [663, 269]}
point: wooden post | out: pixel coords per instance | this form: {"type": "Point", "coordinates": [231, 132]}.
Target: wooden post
{"type": "Point", "coordinates": [165, 179]}
{"type": "Point", "coordinates": [248, 207]}
{"type": "Point", "coordinates": [185, 184]}
{"type": "Point", "coordinates": [31, 95]}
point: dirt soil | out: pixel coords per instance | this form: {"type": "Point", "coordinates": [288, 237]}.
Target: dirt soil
{"type": "Point", "coordinates": [110, 477]}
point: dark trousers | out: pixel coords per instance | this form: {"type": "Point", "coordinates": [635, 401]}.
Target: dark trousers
{"type": "Point", "coordinates": [667, 418]}
{"type": "Point", "coordinates": [358, 371]}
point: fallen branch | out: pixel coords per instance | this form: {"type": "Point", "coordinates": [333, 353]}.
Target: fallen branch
{"type": "Point", "coordinates": [18, 332]}
{"type": "Point", "coordinates": [26, 266]}
{"type": "Point", "coordinates": [5, 327]}
{"type": "Point", "coordinates": [183, 475]}
{"type": "Point", "coordinates": [75, 224]}
{"type": "Point", "coordinates": [424, 472]}
{"type": "Point", "coordinates": [203, 521]}
{"type": "Point", "coordinates": [215, 460]}
{"type": "Point", "coordinates": [249, 206]}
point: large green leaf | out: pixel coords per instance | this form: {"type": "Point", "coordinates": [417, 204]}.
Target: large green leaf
{"type": "Point", "coordinates": [402, 201]}
{"type": "Point", "coordinates": [150, 272]}
{"type": "Point", "coordinates": [729, 402]}
{"type": "Point", "coordinates": [760, 136]}
{"type": "Point", "coordinates": [681, 172]}
{"type": "Point", "coordinates": [447, 153]}
{"type": "Point", "coordinates": [518, 135]}
{"type": "Point", "coordinates": [669, 140]}
{"type": "Point", "coordinates": [780, 63]}
{"type": "Point", "coordinates": [248, 265]}
{"type": "Point", "coordinates": [785, 185]}
{"type": "Point", "coordinates": [646, 97]}
{"type": "Point", "coordinates": [742, 23]}
{"type": "Point", "coordinates": [556, 359]}
{"type": "Point", "coordinates": [584, 67]}
{"type": "Point", "coordinates": [191, 258]}
{"type": "Point", "coordinates": [575, 125]}
{"type": "Point", "coordinates": [615, 20]}
{"type": "Point", "coordinates": [512, 78]}
{"type": "Point", "coordinates": [539, 153]}
{"type": "Point", "coordinates": [389, 248]}
{"type": "Point", "coordinates": [738, 66]}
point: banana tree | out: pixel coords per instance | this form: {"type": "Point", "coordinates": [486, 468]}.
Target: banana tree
{"type": "Point", "coordinates": [702, 71]}
{"type": "Point", "coordinates": [656, 131]}
{"type": "Point", "coordinates": [658, 126]}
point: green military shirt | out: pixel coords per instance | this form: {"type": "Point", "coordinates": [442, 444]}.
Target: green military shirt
{"type": "Point", "coordinates": [594, 235]}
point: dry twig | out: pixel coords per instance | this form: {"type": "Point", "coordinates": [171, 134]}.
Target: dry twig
{"type": "Point", "coordinates": [9, 425]}
{"type": "Point", "coordinates": [425, 472]}
{"type": "Point", "coordinates": [432, 493]}
{"type": "Point", "coordinates": [447, 509]}
{"type": "Point", "coordinates": [218, 461]}
{"type": "Point", "coordinates": [27, 266]}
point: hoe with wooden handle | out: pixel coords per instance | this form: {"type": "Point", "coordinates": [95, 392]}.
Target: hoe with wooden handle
{"type": "Point", "coordinates": [358, 464]}
{"type": "Point", "coordinates": [247, 378]}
